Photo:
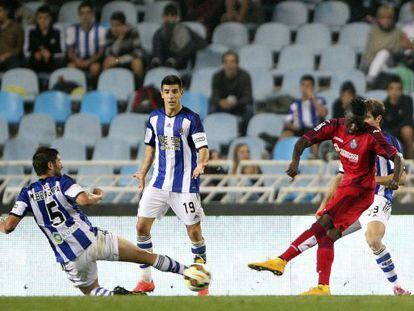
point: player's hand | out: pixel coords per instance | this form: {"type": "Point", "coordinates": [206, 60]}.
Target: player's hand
{"type": "Point", "coordinates": [141, 180]}
{"type": "Point", "coordinates": [98, 192]}
{"type": "Point", "coordinates": [292, 170]}
{"type": "Point", "coordinates": [392, 184]}
{"type": "Point", "coordinates": [198, 170]}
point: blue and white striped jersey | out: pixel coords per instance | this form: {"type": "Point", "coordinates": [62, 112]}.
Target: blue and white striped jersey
{"type": "Point", "coordinates": [384, 167]}
{"type": "Point", "coordinates": [53, 204]}
{"type": "Point", "coordinates": [302, 113]}
{"type": "Point", "coordinates": [85, 43]}
{"type": "Point", "coordinates": [176, 140]}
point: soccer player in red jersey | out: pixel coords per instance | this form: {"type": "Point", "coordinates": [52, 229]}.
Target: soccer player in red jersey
{"type": "Point", "coordinates": [357, 143]}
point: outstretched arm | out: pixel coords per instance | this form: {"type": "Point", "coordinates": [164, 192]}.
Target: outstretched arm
{"type": "Point", "coordinates": [9, 224]}
{"type": "Point", "coordinates": [398, 169]}
{"type": "Point", "coordinates": [90, 198]}
{"type": "Point", "coordinates": [384, 180]}
{"type": "Point", "coordinates": [300, 145]}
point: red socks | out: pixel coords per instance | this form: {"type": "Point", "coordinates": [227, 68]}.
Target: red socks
{"type": "Point", "coordinates": [325, 257]}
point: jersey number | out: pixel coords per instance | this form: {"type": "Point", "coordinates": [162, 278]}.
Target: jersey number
{"type": "Point", "coordinates": [374, 211]}
{"type": "Point", "coordinates": [56, 216]}
{"type": "Point", "coordinates": [190, 207]}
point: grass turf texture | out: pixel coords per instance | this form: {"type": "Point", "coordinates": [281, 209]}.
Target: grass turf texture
{"type": "Point", "coordinates": [222, 303]}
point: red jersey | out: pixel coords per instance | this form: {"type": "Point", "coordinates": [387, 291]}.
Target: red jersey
{"type": "Point", "coordinates": [357, 152]}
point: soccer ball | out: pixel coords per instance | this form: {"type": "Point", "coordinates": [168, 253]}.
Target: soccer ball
{"type": "Point", "coordinates": [197, 277]}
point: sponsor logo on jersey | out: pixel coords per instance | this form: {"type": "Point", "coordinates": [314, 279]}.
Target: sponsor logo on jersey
{"type": "Point", "coordinates": [352, 157]}
{"type": "Point", "coordinates": [169, 142]}
{"type": "Point", "coordinates": [353, 144]}
{"type": "Point", "coordinates": [338, 139]}
{"type": "Point", "coordinates": [319, 126]}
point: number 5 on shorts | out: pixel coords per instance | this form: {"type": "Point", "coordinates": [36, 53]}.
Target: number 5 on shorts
{"type": "Point", "coordinates": [190, 206]}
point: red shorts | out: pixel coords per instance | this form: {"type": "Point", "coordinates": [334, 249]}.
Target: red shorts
{"type": "Point", "coordinates": [347, 204]}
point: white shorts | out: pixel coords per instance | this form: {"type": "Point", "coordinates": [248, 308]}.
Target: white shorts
{"type": "Point", "coordinates": [380, 210]}
{"type": "Point", "coordinates": [156, 202]}
{"type": "Point", "coordinates": [83, 271]}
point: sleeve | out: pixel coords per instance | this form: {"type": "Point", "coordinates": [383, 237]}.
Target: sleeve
{"type": "Point", "coordinates": [70, 188]}
{"type": "Point", "coordinates": [324, 131]}
{"type": "Point", "coordinates": [70, 37]}
{"type": "Point", "coordinates": [381, 146]}
{"type": "Point", "coordinates": [341, 169]}
{"type": "Point", "coordinates": [290, 117]}
{"type": "Point", "coordinates": [408, 111]}
{"type": "Point", "coordinates": [22, 204]}
{"type": "Point", "coordinates": [150, 135]}
{"type": "Point", "coordinates": [197, 133]}
{"type": "Point", "coordinates": [102, 36]}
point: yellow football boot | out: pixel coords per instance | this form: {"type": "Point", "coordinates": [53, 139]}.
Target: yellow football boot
{"type": "Point", "coordinates": [276, 266]}
{"type": "Point", "coordinates": [320, 290]}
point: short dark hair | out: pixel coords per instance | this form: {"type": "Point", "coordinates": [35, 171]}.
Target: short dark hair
{"type": "Point", "coordinates": [376, 107]}
{"type": "Point", "coordinates": [118, 16]}
{"type": "Point", "coordinates": [358, 107]}
{"type": "Point", "coordinates": [85, 4]}
{"type": "Point", "coordinates": [44, 9]}
{"type": "Point", "coordinates": [348, 86]}
{"type": "Point", "coordinates": [171, 80]}
{"type": "Point", "coordinates": [170, 10]}
{"type": "Point", "coordinates": [41, 159]}
{"type": "Point", "coordinates": [230, 52]}
{"type": "Point", "coordinates": [394, 79]}
{"type": "Point", "coordinates": [308, 78]}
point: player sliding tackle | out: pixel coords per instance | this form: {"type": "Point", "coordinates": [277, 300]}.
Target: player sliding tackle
{"type": "Point", "coordinates": [357, 144]}
{"type": "Point", "coordinates": [54, 200]}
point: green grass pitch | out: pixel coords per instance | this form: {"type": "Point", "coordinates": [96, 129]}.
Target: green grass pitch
{"type": "Point", "coordinates": [222, 303]}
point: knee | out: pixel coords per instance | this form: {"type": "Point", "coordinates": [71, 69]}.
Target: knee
{"type": "Point", "coordinates": [374, 241]}
{"type": "Point", "coordinates": [143, 229]}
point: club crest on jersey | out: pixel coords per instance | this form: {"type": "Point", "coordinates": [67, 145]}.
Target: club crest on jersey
{"type": "Point", "coordinates": [353, 144]}
{"type": "Point", "coordinates": [58, 238]}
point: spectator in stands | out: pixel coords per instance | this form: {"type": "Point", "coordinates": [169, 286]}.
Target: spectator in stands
{"type": "Point", "coordinates": [385, 40]}
{"type": "Point", "coordinates": [174, 44]}
{"type": "Point", "coordinates": [243, 11]}
{"type": "Point", "coordinates": [306, 112]}
{"type": "Point", "coordinates": [86, 42]}
{"type": "Point", "coordinates": [123, 47]}
{"type": "Point", "coordinates": [214, 156]}
{"type": "Point", "coordinates": [11, 39]}
{"type": "Point", "coordinates": [398, 119]}
{"type": "Point", "coordinates": [346, 95]}
{"type": "Point", "coordinates": [44, 45]}
{"type": "Point", "coordinates": [242, 152]}
{"type": "Point", "coordinates": [232, 88]}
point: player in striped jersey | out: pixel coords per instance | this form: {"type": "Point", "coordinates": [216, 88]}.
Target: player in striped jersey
{"type": "Point", "coordinates": [173, 137]}
{"type": "Point", "coordinates": [375, 219]}
{"type": "Point", "coordinates": [54, 200]}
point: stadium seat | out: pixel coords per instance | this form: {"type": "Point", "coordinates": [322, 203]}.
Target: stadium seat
{"type": "Point", "coordinates": [221, 127]}
{"type": "Point", "coordinates": [146, 32]}
{"type": "Point", "coordinates": [38, 127]}
{"type": "Point", "coordinates": [208, 58]}
{"type": "Point", "coordinates": [405, 16]}
{"type": "Point", "coordinates": [68, 12]}
{"type": "Point", "coordinates": [32, 6]}
{"type": "Point", "coordinates": [22, 78]}
{"type": "Point", "coordinates": [141, 151]}
{"type": "Point", "coordinates": [291, 82]}
{"type": "Point", "coordinates": [154, 76]}
{"type": "Point", "coordinates": [262, 83]}
{"type": "Point", "coordinates": [256, 56]}
{"type": "Point", "coordinates": [332, 13]}
{"type": "Point", "coordinates": [154, 11]}
{"type": "Point", "coordinates": [291, 13]}
{"type": "Point", "coordinates": [129, 127]}
{"type": "Point", "coordinates": [331, 55]}
{"type": "Point", "coordinates": [284, 148]}
{"type": "Point", "coordinates": [55, 104]}
{"type": "Point", "coordinates": [126, 179]}
{"type": "Point", "coordinates": [11, 107]}
{"type": "Point", "coordinates": [4, 130]}
{"type": "Point", "coordinates": [356, 76]}
{"type": "Point", "coordinates": [19, 148]}
{"type": "Point", "coordinates": [70, 149]}
{"type": "Point", "coordinates": [316, 36]}
{"type": "Point", "coordinates": [269, 123]}
{"type": "Point", "coordinates": [377, 94]}
{"type": "Point", "coordinates": [357, 42]}
{"type": "Point", "coordinates": [202, 80]}
{"type": "Point", "coordinates": [100, 103]}
{"type": "Point", "coordinates": [94, 176]}
{"type": "Point", "coordinates": [197, 102]}
{"type": "Point", "coordinates": [273, 35]}
{"type": "Point", "coordinates": [231, 34]}
{"type": "Point", "coordinates": [119, 81]}
{"type": "Point", "coordinates": [84, 128]}
{"type": "Point", "coordinates": [296, 57]}
{"type": "Point", "coordinates": [111, 149]}
{"type": "Point", "coordinates": [125, 7]}
{"type": "Point", "coordinates": [197, 28]}
{"type": "Point", "coordinates": [257, 147]}
{"type": "Point", "coordinates": [68, 74]}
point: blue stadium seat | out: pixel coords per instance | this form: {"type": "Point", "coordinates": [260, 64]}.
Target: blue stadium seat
{"type": "Point", "coordinates": [125, 7]}
{"type": "Point", "coordinates": [331, 55]}
{"type": "Point", "coordinates": [19, 148]}
{"type": "Point", "coordinates": [296, 57]}
{"type": "Point", "coordinates": [273, 35]}
{"type": "Point", "coordinates": [129, 127]}
{"type": "Point", "coordinates": [126, 176]}
{"type": "Point", "coordinates": [70, 149]}
{"type": "Point", "coordinates": [68, 12]}
{"type": "Point", "coordinates": [257, 147]}
{"type": "Point", "coordinates": [284, 148]}
{"type": "Point", "coordinates": [4, 130]}
{"type": "Point", "coordinates": [100, 103]}
{"type": "Point", "coordinates": [38, 127]}
{"type": "Point", "coordinates": [141, 151]}
{"type": "Point", "coordinates": [208, 58]}
{"type": "Point", "coordinates": [221, 127]}
{"type": "Point", "coordinates": [231, 34]}
{"type": "Point", "coordinates": [23, 78]}
{"type": "Point", "coordinates": [377, 94]}
{"type": "Point", "coordinates": [54, 103]}
{"type": "Point", "coordinates": [84, 128]}
{"type": "Point", "coordinates": [87, 177]}
{"type": "Point", "coordinates": [119, 81]}
{"type": "Point", "coordinates": [262, 83]}
{"type": "Point", "coordinates": [356, 76]}
{"type": "Point", "coordinates": [316, 36]}
{"type": "Point", "coordinates": [197, 102]}
{"type": "Point", "coordinates": [335, 14]}
{"type": "Point", "coordinates": [146, 32]}
{"type": "Point", "coordinates": [269, 123]}
{"type": "Point", "coordinates": [111, 149]}
{"type": "Point", "coordinates": [357, 42]}
{"type": "Point", "coordinates": [291, 13]}
{"type": "Point", "coordinates": [68, 74]}
{"type": "Point", "coordinates": [198, 28]}
{"type": "Point", "coordinates": [405, 16]}
{"type": "Point", "coordinates": [11, 107]}
{"type": "Point", "coordinates": [154, 76]}
{"type": "Point", "coordinates": [256, 56]}
{"type": "Point", "coordinates": [202, 80]}
{"type": "Point", "coordinates": [154, 11]}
